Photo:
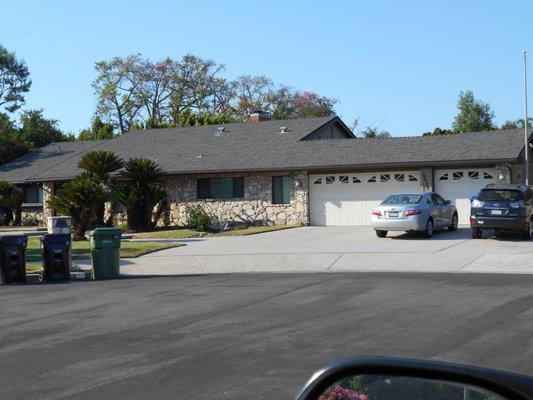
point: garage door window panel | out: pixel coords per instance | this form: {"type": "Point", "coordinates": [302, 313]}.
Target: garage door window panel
{"type": "Point", "coordinates": [372, 179]}
{"type": "Point", "coordinates": [444, 177]}
{"type": "Point", "coordinates": [330, 180]}
{"type": "Point", "coordinates": [281, 189]}
{"type": "Point", "coordinates": [384, 177]}
{"type": "Point", "coordinates": [413, 178]}
{"type": "Point", "coordinates": [399, 177]}
{"type": "Point", "coordinates": [457, 176]}
{"type": "Point", "coordinates": [343, 179]}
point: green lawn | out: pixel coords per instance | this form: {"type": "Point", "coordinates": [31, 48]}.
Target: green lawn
{"type": "Point", "coordinates": [81, 250]}
{"type": "Point", "coordinates": [189, 233]}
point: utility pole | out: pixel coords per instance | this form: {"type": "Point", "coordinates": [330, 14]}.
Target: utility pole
{"type": "Point", "coordinates": [526, 135]}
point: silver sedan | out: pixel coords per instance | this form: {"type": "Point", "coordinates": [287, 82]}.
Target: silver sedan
{"type": "Point", "coordinates": [421, 212]}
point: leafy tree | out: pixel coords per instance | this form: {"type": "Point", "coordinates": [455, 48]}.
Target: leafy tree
{"type": "Point", "coordinates": [40, 131]}
{"type": "Point", "coordinates": [82, 199]}
{"type": "Point", "coordinates": [14, 80]}
{"type": "Point", "coordinates": [438, 131]}
{"type": "Point", "coordinates": [474, 115]}
{"type": "Point", "coordinates": [375, 133]}
{"type": "Point", "coordinates": [517, 124]}
{"type": "Point", "coordinates": [12, 144]}
{"type": "Point", "coordinates": [116, 88]}
{"type": "Point", "coordinates": [310, 104]}
{"type": "Point", "coordinates": [99, 130]}
{"type": "Point", "coordinates": [252, 94]}
{"type": "Point", "coordinates": [196, 84]}
{"type": "Point", "coordinates": [141, 192]}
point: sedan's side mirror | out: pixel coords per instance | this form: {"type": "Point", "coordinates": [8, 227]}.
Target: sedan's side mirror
{"type": "Point", "coordinates": [396, 378]}
{"type": "Point", "coordinates": [448, 202]}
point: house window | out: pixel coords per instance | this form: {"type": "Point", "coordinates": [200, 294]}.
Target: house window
{"type": "Point", "coordinates": [220, 188]}
{"type": "Point", "coordinates": [343, 179]}
{"type": "Point", "coordinates": [281, 189]}
{"type": "Point", "coordinates": [33, 194]}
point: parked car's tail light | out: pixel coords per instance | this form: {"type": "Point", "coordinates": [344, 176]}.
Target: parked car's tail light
{"type": "Point", "coordinates": [415, 211]}
{"type": "Point", "coordinates": [477, 203]}
{"type": "Point", "coordinates": [376, 213]}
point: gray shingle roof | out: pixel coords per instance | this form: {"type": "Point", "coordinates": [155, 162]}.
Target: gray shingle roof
{"type": "Point", "coordinates": [260, 146]}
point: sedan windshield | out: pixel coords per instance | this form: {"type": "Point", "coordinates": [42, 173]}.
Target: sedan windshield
{"type": "Point", "coordinates": [499, 195]}
{"type": "Point", "coordinates": [403, 199]}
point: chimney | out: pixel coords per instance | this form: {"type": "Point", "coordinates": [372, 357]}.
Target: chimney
{"type": "Point", "coordinates": [257, 116]}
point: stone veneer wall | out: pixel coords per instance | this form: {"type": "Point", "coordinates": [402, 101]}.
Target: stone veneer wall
{"type": "Point", "coordinates": [255, 207]}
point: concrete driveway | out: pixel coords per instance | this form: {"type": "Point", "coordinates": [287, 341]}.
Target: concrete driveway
{"type": "Point", "coordinates": [339, 249]}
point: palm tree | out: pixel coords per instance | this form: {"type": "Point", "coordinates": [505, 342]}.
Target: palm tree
{"type": "Point", "coordinates": [141, 192]}
{"type": "Point", "coordinates": [102, 164]}
{"type": "Point", "coordinates": [82, 198]}
{"type": "Point", "coordinates": [10, 204]}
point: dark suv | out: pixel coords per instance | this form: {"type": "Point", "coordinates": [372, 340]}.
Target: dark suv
{"type": "Point", "coordinates": [502, 208]}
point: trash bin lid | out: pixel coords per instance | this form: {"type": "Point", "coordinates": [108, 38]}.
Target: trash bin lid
{"type": "Point", "coordinates": [14, 239]}
{"type": "Point", "coordinates": [101, 232]}
{"type": "Point", "coordinates": [55, 238]}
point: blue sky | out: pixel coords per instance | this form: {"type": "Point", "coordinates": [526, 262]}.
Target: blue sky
{"type": "Point", "coordinates": [396, 65]}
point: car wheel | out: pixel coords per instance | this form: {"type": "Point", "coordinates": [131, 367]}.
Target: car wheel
{"type": "Point", "coordinates": [381, 234]}
{"type": "Point", "coordinates": [455, 223]}
{"type": "Point", "coordinates": [429, 229]}
{"type": "Point", "coordinates": [476, 233]}
{"type": "Point", "coordinates": [528, 233]}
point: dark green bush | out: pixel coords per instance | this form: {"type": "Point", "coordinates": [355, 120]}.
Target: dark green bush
{"type": "Point", "coordinates": [198, 219]}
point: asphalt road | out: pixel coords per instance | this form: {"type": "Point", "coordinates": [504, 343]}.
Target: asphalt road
{"type": "Point", "coordinates": [249, 336]}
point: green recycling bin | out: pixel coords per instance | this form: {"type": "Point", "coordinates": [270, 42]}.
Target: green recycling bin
{"type": "Point", "coordinates": [105, 252]}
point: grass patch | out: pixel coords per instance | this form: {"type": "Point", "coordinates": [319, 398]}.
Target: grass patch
{"type": "Point", "coordinates": [189, 233]}
{"type": "Point", "coordinates": [81, 250]}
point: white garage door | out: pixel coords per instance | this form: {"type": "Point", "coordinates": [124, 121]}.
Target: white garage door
{"type": "Point", "coordinates": [348, 199]}
{"type": "Point", "coordinates": [458, 185]}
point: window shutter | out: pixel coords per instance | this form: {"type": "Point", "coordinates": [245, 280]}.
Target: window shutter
{"type": "Point", "coordinates": [238, 187]}
{"type": "Point", "coordinates": [203, 188]}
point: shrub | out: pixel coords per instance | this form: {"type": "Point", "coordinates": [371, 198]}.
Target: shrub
{"type": "Point", "coordinates": [198, 219]}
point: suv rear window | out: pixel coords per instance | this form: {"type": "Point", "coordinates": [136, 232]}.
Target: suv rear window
{"type": "Point", "coordinates": [500, 195]}
{"type": "Point", "coordinates": [403, 199]}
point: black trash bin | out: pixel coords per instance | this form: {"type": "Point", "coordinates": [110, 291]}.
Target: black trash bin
{"type": "Point", "coordinates": [56, 257]}
{"type": "Point", "coordinates": [13, 258]}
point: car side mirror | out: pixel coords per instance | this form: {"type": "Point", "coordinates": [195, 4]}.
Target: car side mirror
{"type": "Point", "coordinates": [395, 378]}
{"type": "Point", "coordinates": [448, 202]}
